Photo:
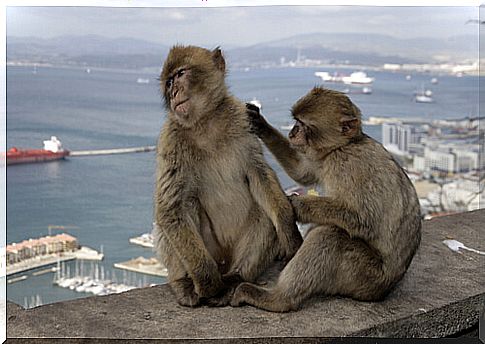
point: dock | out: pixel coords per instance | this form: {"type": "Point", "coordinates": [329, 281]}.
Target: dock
{"type": "Point", "coordinates": [37, 262]}
{"type": "Point", "coordinates": [113, 151]}
{"type": "Point", "coordinates": [149, 266]}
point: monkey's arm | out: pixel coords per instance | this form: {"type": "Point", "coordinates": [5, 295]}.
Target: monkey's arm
{"type": "Point", "coordinates": [266, 190]}
{"type": "Point", "coordinates": [280, 147]}
{"type": "Point", "coordinates": [177, 216]}
{"type": "Point", "coordinates": [326, 210]}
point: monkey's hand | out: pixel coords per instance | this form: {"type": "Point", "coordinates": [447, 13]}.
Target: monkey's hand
{"type": "Point", "coordinates": [289, 238]}
{"type": "Point", "coordinates": [208, 285]}
{"type": "Point", "coordinates": [298, 205]}
{"type": "Point", "coordinates": [258, 123]}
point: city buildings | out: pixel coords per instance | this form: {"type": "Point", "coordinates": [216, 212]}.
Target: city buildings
{"type": "Point", "coordinates": [31, 248]}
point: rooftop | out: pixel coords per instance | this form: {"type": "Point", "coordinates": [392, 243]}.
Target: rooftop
{"type": "Point", "coordinates": [441, 295]}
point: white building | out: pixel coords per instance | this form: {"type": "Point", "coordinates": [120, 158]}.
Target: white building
{"type": "Point", "coordinates": [448, 157]}
{"type": "Point", "coordinates": [402, 139]}
{"type": "Point", "coordinates": [396, 137]}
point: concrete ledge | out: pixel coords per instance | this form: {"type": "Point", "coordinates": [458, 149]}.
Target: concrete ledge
{"type": "Point", "coordinates": [441, 295]}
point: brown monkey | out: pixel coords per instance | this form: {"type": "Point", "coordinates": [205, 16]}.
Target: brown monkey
{"type": "Point", "coordinates": [367, 227]}
{"type": "Point", "coordinates": [220, 213]}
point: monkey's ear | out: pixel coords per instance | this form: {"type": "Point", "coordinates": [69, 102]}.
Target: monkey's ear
{"type": "Point", "coordinates": [349, 125]}
{"type": "Point", "coordinates": [219, 59]}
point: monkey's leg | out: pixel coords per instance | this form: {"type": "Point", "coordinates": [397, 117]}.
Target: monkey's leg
{"type": "Point", "coordinates": [329, 262]}
{"type": "Point", "coordinates": [178, 279]}
{"type": "Point", "coordinates": [254, 252]}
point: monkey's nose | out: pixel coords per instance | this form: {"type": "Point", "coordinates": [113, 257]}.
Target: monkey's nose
{"type": "Point", "coordinates": [175, 91]}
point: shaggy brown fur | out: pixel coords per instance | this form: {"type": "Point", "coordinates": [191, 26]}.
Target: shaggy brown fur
{"type": "Point", "coordinates": [367, 227]}
{"type": "Point", "coordinates": [221, 215]}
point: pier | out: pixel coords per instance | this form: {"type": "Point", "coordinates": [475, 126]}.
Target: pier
{"type": "Point", "coordinates": [150, 266]}
{"type": "Point", "coordinates": [113, 151]}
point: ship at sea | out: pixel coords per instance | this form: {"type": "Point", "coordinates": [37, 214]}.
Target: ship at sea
{"type": "Point", "coordinates": [52, 151]}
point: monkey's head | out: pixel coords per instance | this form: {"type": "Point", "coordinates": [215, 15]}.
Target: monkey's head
{"type": "Point", "coordinates": [325, 120]}
{"type": "Point", "coordinates": [192, 83]}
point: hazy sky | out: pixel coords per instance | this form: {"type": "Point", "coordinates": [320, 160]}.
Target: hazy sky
{"type": "Point", "coordinates": [239, 25]}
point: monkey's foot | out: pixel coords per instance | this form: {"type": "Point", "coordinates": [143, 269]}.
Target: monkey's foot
{"type": "Point", "coordinates": [239, 297]}
{"type": "Point", "coordinates": [220, 301]}
{"type": "Point", "coordinates": [231, 281]}
{"type": "Point", "coordinates": [184, 292]}
{"type": "Point", "coordinates": [189, 300]}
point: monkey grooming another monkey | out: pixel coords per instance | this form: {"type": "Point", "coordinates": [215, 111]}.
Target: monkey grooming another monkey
{"type": "Point", "coordinates": [221, 216]}
{"type": "Point", "coordinates": [366, 228]}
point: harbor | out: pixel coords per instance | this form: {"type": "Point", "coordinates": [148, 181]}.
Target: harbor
{"type": "Point", "coordinates": [93, 279]}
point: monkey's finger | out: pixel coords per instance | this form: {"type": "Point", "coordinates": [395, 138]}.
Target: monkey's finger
{"type": "Point", "coordinates": [252, 107]}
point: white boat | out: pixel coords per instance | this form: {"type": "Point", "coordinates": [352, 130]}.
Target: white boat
{"type": "Point", "coordinates": [434, 81]}
{"type": "Point", "coordinates": [422, 98]}
{"type": "Point", "coordinates": [357, 78]}
{"type": "Point", "coordinates": [327, 77]}
{"type": "Point", "coordinates": [366, 90]}
{"type": "Point", "coordinates": [142, 81]}
{"type": "Point", "coordinates": [256, 102]}
{"type": "Point", "coordinates": [145, 240]}
{"type": "Point", "coordinates": [408, 77]}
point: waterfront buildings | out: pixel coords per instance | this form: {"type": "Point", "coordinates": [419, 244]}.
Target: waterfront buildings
{"type": "Point", "coordinates": [31, 248]}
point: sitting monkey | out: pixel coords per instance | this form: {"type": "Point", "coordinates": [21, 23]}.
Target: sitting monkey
{"type": "Point", "coordinates": [367, 227]}
{"type": "Point", "coordinates": [221, 216]}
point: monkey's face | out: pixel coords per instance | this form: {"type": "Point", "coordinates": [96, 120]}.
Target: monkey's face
{"type": "Point", "coordinates": [177, 87]}
{"type": "Point", "coordinates": [192, 82]}
{"type": "Point", "coordinates": [298, 135]}
{"type": "Point", "coordinates": [325, 119]}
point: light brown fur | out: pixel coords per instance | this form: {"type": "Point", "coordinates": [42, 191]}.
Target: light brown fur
{"type": "Point", "coordinates": [221, 215]}
{"type": "Point", "coordinates": [367, 226]}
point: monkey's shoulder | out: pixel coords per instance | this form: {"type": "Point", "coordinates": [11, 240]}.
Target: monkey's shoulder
{"type": "Point", "coordinates": [360, 163]}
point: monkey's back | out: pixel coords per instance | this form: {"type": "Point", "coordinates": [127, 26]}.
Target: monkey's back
{"type": "Point", "coordinates": [380, 191]}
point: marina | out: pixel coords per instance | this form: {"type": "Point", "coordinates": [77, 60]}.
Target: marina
{"type": "Point", "coordinates": [92, 279]}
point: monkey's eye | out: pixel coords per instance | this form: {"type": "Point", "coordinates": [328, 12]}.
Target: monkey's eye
{"type": "Point", "coordinates": [180, 73]}
{"type": "Point", "coordinates": [169, 82]}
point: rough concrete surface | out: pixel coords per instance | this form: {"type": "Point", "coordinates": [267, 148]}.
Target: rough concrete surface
{"type": "Point", "coordinates": [441, 295]}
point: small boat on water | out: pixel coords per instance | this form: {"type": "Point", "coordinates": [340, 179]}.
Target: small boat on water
{"type": "Point", "coordinates": [357, 78]}
{"type": "Point", "coordinates": [423, 98]}
{"type": "Point", "coordinates": [142, 81]}
{"type": "Point", "coordinates": [52, 151]}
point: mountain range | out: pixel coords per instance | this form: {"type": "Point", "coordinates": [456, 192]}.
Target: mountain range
{"type": "Point", "coordinates": [352, 48]}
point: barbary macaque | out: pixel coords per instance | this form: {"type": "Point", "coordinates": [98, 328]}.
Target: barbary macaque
{"type": "Point", "coordinates": [366, 227]}
{"type": "Point", "coordinates": [221, 216]}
